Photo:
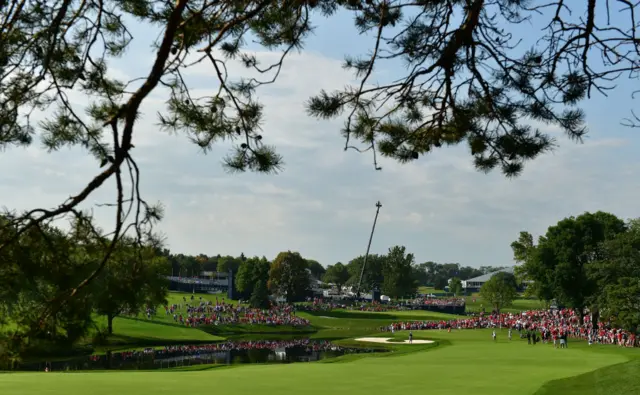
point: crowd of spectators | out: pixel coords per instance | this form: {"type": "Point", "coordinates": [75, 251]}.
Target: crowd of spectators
{"type": "Point", "coordinates": [549, 324]}
{"type": "Point", "coordinates": [438, 302]}
{"type": "Point", "coordinates": [194, 313]}
{"type": "Point", "coordinates": [319, 304]}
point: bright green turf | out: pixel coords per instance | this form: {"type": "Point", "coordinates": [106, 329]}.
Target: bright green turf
{"type": "Point", "coordinates": [517, 306]}
{"type": "Point", "coordinates": [463, 362]}
{"type": "Point", "coordinates": [130, 330]}
{"type": "Point", "coordinates": [472, 364]}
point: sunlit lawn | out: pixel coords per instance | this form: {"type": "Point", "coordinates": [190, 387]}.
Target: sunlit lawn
{"type": "Point", "coordinates": [466, 362]}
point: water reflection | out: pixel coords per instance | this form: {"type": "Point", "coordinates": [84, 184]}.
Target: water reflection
{"type": "Point", "coordinates": [227, 353]}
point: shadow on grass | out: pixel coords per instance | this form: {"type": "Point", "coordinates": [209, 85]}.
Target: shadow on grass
{"type": "Point", "coordinates": [155, 322]}
{"type": "Point", "coordinates": [352, 315]}
{"type": "Point", "coordinates": [406, 315]}
{"type": "Point", "coordinates": [229, 330]}
{"type": "Point", "coordinates": [618, 379]}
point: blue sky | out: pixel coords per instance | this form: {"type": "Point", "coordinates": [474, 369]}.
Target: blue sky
{"type": "Point", "coordinates": [322, 205]}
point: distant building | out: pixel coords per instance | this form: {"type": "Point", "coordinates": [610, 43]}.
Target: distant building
{"type": "Point", "coordinates": [474, 284]}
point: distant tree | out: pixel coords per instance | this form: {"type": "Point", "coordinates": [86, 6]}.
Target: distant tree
{"type": "Point", "coordinates": [564, 255]}
{"type": "Point", "coordinates": [260, 295]}
{"type": "Point", "coordinates": [227, 263]}
{"type": "Point", "coordinates": [250, 273]}
{"type": "Point", "coordinates": [288, 276]}
{"type": "Point", "coordinates": [500, 290]}
{"type": "Point", "coordinates": [130, 281]}
{"type": "Point", "coordinates": [397, 272]}
{"type": "Point", "coordinates": [467, 272]}
{"type": "Point", "coordinates": [441, 283]}
{"type": "Point", "coordinates": [317, 270]}
{"type": "Point", "coordinates": [372, 276]}
{"type": "Point", "coordinates": [337, 274]}
{"type": "Point", "coordinates": [420, 274]}
{"type": "Point", "coordinates": [455, 286]}
{"type": "Point", "coordinates": [617, 274]}
{"type": "Point", "coordinates": [536, 267]}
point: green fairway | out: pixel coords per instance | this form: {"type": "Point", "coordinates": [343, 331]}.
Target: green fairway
{"type": "Point", "coordinates": [465, 362]}
{"type": "Point", "coordinates": [458, 362]}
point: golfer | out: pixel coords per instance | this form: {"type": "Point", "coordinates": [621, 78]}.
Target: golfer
{"type": "Point", "coordinates": [494, 335]}
{"type": "Point", "coordinates": [410, 337]}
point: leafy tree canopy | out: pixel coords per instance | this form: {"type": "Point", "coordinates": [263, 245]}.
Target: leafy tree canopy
{"type": "Point", "coordinates": [337, 274]}
{"type": "Point", "coordinates": [289, 276]}
{"type": "Point", "coordinates": [500, 290]}
{"type": "Point", "coordinates": [317, 270]}
{"type": "Point", "coordinates": [455, 286]}
{"type": "Point", "coordinates": [559, 263]}
{"type": "Point", "coordinates": [617, 274]}
{"type": "Point", "coordinates": [397, 272]}
{"type": "Point", "coordinates": [250, 273]}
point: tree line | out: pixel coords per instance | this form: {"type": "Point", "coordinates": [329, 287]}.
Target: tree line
{"type": "Point", "coordinates": [45, 261]}
{"type": "Point", "coordinates": [588, 261]}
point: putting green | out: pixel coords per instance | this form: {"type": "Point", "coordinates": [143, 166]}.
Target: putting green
{"type": "Point", "coordinates": [464, 362]}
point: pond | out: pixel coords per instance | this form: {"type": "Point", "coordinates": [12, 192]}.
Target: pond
{"type": "Point", "coordinates": [227, 353]}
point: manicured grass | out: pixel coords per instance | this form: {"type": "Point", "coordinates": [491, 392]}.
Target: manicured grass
{"type": "Point", "coordinates": [128, 330]}
{"type": "Point", "coordinates": [460, 362]}
{"type": "Point", "coordinates": [613, 380]}
{"type": "Point", "coordinates": [517, 306]}
{"type": "Point", "coordinates": [469, 363]}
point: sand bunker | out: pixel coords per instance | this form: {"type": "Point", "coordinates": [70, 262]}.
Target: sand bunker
{"type": "Point", "coordinates": [386, 340]}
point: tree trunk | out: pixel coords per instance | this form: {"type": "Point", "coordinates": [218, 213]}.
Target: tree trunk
{"type": "Point", "coordinates": [595, 317]}
{"type": "Point", "coordinates": [110, 318]}
{"type": "Point", "coordinates": [580, 311]}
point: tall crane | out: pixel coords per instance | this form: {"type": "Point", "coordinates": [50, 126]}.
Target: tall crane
{"type": "Point", "coordinates": [364, 264]}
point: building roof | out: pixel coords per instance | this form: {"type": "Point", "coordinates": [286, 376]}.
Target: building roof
{"type": "Point", "coordinates": [485, 277]}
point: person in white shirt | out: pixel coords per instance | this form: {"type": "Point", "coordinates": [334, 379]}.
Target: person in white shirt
{"type": "Point", "coordinates": [509, 333]}
{"type": "Point", "coordinates": [494, 335]}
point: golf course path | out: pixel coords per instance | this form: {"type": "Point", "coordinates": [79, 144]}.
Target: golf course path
{"type": "Point", "coordinates": [386, 340]}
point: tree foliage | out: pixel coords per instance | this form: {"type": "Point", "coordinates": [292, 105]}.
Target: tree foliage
{"type": "Point", "coordinates": [470, 80]}
{"type": "Point", "coordinates": [260, 295]}
{"type": "Point", "coordinates": [617, 274]}
{"type": "Point", "coordinates": [317, 270]}
{"type": "Point", "coordinates": [372, 277]}
{"type": "Point", "coordinates": [337, 274]}
{"type": "Point", "coordinates": [560, 263]}
{"type": "Point", "coordinates": [289, 276]}
{"type": "Point", "coordinates": [47, 261]}
{"type": "Point", "coordinates": [455, 286]}
{"type": "Point", "coordinates": [132, 280]}
{"type": "Point", "coordinates": [397, 272]}
{"type": "Point", "coordinates": [500, 290]}
{"type": "Point", "coordinates": [250, 273]}
{"type": "Point", "coordinates": [228, 263]}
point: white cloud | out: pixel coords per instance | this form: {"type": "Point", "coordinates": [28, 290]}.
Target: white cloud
{"type": "Point", "coordinates": [440, 207]}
